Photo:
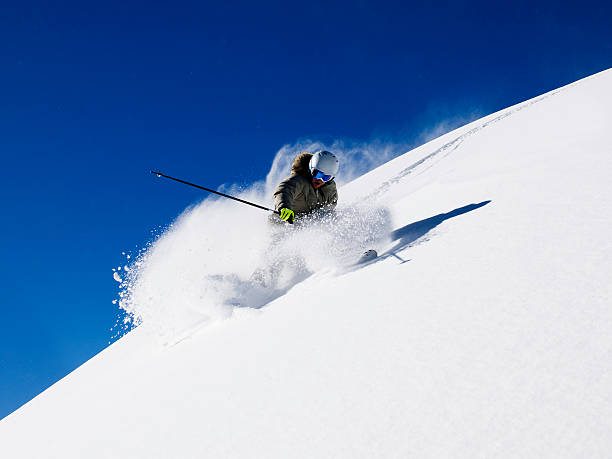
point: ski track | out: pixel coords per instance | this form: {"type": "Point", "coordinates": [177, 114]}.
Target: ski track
{"type": "Point", "coordinates": [449, 147]}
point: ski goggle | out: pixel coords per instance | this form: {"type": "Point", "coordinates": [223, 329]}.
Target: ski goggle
{"type": "Point", "coordinates": [318, 175]}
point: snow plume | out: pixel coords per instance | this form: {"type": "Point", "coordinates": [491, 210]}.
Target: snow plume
{"type": "Point", "coordinates": [220, 256]}
{"type": "Point", "coordinates": [356, 158]}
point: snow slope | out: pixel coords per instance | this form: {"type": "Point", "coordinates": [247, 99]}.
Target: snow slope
{"type": "Point", "coordinates": [484, 329]}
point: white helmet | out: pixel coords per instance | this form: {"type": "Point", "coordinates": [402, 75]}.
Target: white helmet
{"type": "Point", "coordinates": [325, 162]}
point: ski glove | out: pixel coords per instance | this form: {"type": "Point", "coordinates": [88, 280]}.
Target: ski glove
{"type": "Point", "coordinates": [287, 215]}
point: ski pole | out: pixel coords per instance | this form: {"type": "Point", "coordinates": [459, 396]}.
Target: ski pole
{"type": "Point", "coordinates": [159, 174]}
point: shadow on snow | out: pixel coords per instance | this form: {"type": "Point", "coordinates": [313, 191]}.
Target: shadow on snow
{"type": "Point", "coordinates": [409, 234]}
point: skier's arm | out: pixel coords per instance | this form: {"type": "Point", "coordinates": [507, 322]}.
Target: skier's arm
{"type": "Point", "coordinates": [285, 194]}
{"type": "Point", "coordinates": [332, 200]}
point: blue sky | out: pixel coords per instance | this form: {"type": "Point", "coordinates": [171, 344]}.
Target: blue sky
{"type": "Point", "coordinates": [94, 96]}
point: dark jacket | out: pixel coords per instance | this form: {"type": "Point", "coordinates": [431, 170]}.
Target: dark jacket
{"type": "Point", "coordinates": [297, 193]}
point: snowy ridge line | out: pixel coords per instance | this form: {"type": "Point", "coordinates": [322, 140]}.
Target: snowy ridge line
{"type": "Point", "coordinates": [454, 144]}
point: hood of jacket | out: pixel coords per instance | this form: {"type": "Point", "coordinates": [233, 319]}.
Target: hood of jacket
{"type": "Point", "coordinates": [301, 165]}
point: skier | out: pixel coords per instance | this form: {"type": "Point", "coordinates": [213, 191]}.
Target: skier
{"type": "Point", "coordinates": [310, 186]}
